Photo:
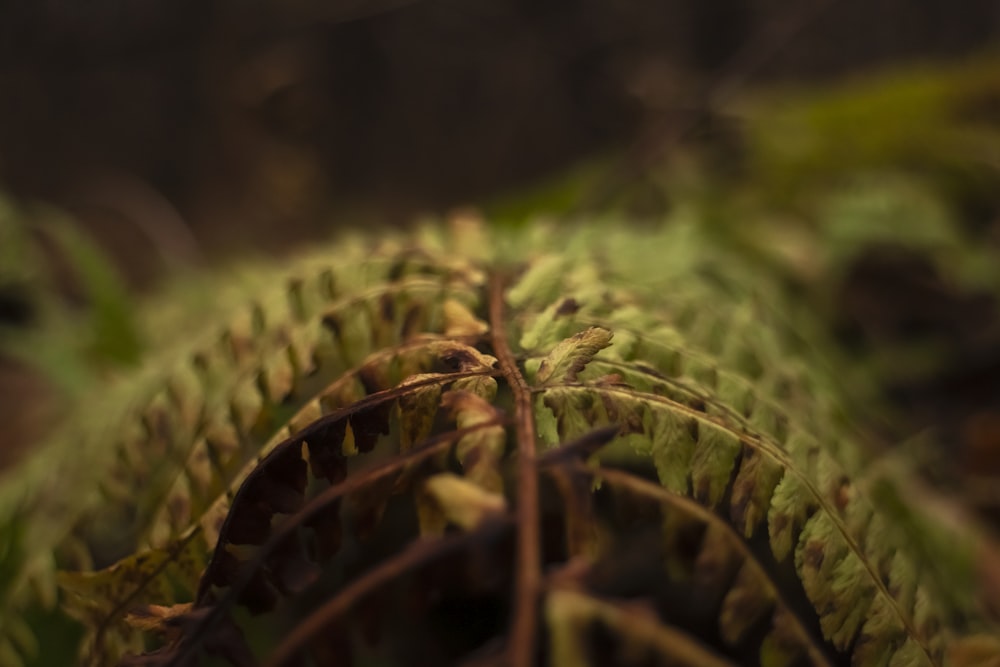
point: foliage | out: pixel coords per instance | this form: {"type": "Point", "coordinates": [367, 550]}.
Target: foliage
{"type": "Point", "coordinates": [67, 293]}
{"type": "Point", "coordinates": [877, 197]}
{"type": "Point", "coordinates": [565, 445]}
{"type": "Point", "coordinates": [938, 122]}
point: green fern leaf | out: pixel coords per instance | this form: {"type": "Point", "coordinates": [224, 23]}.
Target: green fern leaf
{"type": "Point", "coordinates": [612, 447]}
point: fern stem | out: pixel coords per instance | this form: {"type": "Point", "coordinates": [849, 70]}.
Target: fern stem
{"type": "Point", "coordinates": [529, 574]}
{"type": "Point", "coordinates": [418, 554]}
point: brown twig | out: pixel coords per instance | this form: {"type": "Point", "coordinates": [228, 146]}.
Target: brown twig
{"type": "Point", "coordinates": [417, 554]}
{"type": "Point", "coordinates": [521, 646]}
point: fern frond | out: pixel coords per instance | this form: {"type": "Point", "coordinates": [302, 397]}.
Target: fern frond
{"type": "Point", "coordinates": [593, 433]}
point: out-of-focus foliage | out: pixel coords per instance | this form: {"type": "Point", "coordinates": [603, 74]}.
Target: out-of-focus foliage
{"type": "Point", "coordinates": [73, 311]}
{"type": "Point", "coordinates": [940, 122]}
{"type": "Point", "coordinates": [883, 183]}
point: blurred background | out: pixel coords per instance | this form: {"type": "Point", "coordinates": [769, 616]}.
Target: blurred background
{"type": "Point", "coordinates": [185, 128]}
{"type": "Point", "coordinates": [175, 134]}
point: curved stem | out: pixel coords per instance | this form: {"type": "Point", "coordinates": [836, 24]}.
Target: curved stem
{"type": "Point", "coordinates": [521, 648]}
{"type": "Point", "coordinates": [416, 555]}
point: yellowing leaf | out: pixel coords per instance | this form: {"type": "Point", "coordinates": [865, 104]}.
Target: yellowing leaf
{"type": "Point", "coordinates": [460, 321]}
{"type": "Point", "coordinates": [572, 355]}
{"type": "Point", "coordinates": [461, 502]}
{"type": "Point", "coordinates": [572, 616]}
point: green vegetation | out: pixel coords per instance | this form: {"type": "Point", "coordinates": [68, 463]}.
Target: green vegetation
{"type": "Point", "coordinates": [587, 442]}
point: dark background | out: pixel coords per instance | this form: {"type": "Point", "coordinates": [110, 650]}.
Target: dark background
{"type": "Point", "coordinates": [187, 127]}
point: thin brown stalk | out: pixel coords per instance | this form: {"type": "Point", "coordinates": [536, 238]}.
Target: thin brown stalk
{"type": "Point", "coordinates": [417, 554]}
{"type": "Point", "coordinates": [521, 647]}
